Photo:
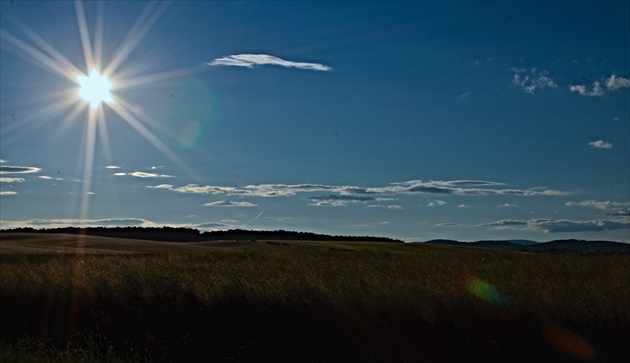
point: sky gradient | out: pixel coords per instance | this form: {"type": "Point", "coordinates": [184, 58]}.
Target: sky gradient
{"type": "Point", "coordinates": [410, 120]}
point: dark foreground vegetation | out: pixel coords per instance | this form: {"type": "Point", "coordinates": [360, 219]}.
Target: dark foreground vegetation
{"type": "Point", "coordinates": [315, 302]}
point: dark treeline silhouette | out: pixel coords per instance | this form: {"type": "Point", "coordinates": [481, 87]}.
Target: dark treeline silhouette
{"type": "Point", "coordinates": [179, 234]}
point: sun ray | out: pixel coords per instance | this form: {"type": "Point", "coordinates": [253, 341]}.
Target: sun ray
{"type": "Point", "coordinates": [104, 136]}
{"type": "Point", "coordinates": [85, 37]}
{"type": "Point", "coordinates": [33, 118]}
{"type": "Point", "coordinates": [155, 77]}
{"type": "Point", "coordinates": [65, 70]}
{"type": "Point", "coordinates": [67, 121]}
{"type": "Point", "coordinates": [121, 108]}
{"type": "Point", "coordinates": [98, 35]}
{"type": "Point", "coordinates": [88, 161]}
{"type": "Point", "coordinates": [135, 35]}
{"type": "Point", "coordinates": [46, 47]}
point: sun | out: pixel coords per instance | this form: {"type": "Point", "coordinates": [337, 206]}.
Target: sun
{"type": "Point", "coordinates": [96, 85]}
{"type": "Point", "coordinates": [95, 88]}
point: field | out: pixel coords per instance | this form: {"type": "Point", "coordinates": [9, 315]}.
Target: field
{"type": "Point", "coordinates": [82, 298]}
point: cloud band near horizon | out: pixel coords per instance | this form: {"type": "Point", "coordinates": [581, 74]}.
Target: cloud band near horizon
{"type": "Point", "coordinates": [455, 187]}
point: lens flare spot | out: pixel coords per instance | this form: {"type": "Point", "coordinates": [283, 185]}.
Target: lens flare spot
{"type": "Point", "coordinates": [485, 292]}
{"type": "Point", "coordinates": [189, 133]}
{"type": "Point", "coordinates": [95, 88]}
{"type": "Point", "coordinates": [568, 342]}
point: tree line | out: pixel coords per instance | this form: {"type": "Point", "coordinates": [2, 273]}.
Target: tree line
{"type": "Point", "coordinates": [182, 234]}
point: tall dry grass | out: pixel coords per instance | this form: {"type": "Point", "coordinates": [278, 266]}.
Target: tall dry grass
{"type": "Point", "coordinates": [380, 299]}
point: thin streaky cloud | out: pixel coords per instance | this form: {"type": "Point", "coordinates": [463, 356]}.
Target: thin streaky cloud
{"type": "Point", "coordinates": [227, 203]}
{"type": "Point", "coordinates": [456, 187]}
{"type": "Point", "coordinates": [112, 167]}
{"type": "Point", "coordinates": [8, 192]}
{"type": "Point", "coordinates": [141, 174]}
{"type": "Point", "coordinates": [161, 186]}
{"type": "Point", "coordinates": [46, 177]}
{"type": "Point", "coordinates": [330, 203]}
{"type": "Point", "coordinates": [253, 60]}
{"type": "Point", "coordinates": [620, 212]}
{"type": "Point", "coordinates": [61, 222]}
{"type": "Point", "coordinates": [348, 198]}
{"type": "Point", "coordinates": [18, 169]}
{"type": "Point", "coordinates": [606, 205]}
{"type": "Point", "coordinates": [392, 207]}
{"type": "Point", "coordinates": [563, 225]}
{"type": "Point", "coordinates": [11, 180]}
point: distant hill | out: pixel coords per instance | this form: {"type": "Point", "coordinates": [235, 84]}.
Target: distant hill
{"type": "Point", "coordinates": [172, 234]}
{"type": "Point", "coordinates": [558, 245]}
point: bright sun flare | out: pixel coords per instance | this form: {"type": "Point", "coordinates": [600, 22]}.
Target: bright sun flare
{"type": "Point", "coordinates": [95, 88]}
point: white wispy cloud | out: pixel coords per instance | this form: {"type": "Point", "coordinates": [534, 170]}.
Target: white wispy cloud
{"type": "Point", "coordinates": [463, 206]}
{"type": "Point", "coordinates": [11, 180]}
{"type": "Point", "coordinates": [333, 200]}
{"type": "Point", "coordinates": [600, 144]}
{"type": "Point", "coordinates": [436, 203]}
{"type": "Point", "coordinates": [453, 187]}
{"type": "Point", "coordinates": [606, 205]}
{"type": "Point", "coordinates": [161, 186]}
{"type": "Point", "coordinates": [141, 174]}
{"type": "Point", "coordinates": [227, 203]}
{"type": "Point", "coordinates": [61, 222]}
{"type": "Point", "coordinates": [595, 91]}
{"type": "Point", "coordinates": [612, 83]}
{"type": "Point", "coordinates": [210, 225]}
{"type": "Point", "coordinates": [532, 79]}
{"type": "Point", "coordinates": [46, 177]}
{"type": "Point", "coordinates": [253, 60]}
{"type": "Point", "coordinates": [108, 222]}
{"type": "Point", "coordinates": [8, 192]}
{"type": "Point", "coordinates": [112, 167]}
{"type": "Point", "coordinates": [563, 225]}
{"type": "Point", "coordinates": [507, 205]}
{"type": "Point", "coordinates": [18, 169]}
{"type": "Point", "coordinates": [392, 206]}
{"type": "Point", "coordinates": [329, 203]}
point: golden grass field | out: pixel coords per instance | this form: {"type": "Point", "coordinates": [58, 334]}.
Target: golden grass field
{"type": "Point", "coordinates": [86, 298]}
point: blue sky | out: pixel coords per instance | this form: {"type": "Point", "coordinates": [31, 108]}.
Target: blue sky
{"type": "Point", "coordinates": [411, 120]}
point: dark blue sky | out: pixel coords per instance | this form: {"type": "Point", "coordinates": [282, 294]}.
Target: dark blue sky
{"type": "Point", "coordinates": [413, 120]}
